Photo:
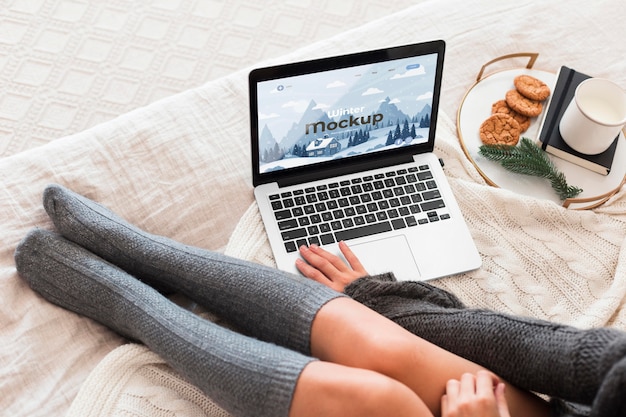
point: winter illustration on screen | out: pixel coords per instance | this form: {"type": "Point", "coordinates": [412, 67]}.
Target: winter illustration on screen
{"type": "Point", "coordinates": [345, 112]}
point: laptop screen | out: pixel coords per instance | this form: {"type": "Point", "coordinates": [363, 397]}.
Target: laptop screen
{"type": "Point", "coordinates": [315, 115]}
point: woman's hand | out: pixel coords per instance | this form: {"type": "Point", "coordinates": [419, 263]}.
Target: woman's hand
{"type": "Point", "coordinates": [480, 395]}
{"type": "Point", "coordinates": [329, 269]}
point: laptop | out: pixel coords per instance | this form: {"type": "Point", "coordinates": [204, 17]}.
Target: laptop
{"type": "Point", "coordinates": [342, 150]}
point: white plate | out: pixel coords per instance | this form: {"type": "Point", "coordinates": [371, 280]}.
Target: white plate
{"type": "Point", "coordinates": [476, 107]}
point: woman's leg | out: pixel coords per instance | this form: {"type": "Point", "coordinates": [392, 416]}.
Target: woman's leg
{"type": "Point", "coordinates": [346, 332]}
{"type": "Point", "coordinates": [244, 375]}
{"type": "Point", "coordinates": [282, 304]}
{"type": "Point", "coordinates": [349, 333]}
{"type": "Point", "coordinates": [225, 365]}
{"type": "Point", "coordinates": [572, 364]}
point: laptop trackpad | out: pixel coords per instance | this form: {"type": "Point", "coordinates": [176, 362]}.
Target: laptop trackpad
{"type": "Point", "coordinates": [388, 254]}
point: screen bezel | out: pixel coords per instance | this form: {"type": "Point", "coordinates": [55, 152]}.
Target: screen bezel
{"type": "Point", "coordinates": [373, 160]}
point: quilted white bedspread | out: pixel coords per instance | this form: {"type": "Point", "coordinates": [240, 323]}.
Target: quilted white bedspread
{"type": "Point", "coordinates": [179, 167]}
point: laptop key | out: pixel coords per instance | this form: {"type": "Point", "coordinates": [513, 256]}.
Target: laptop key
{"type": "Point", "coordinates": [287, 224]}
{"type": "Point", "coordinates": [432, 205]}
{"type": "Point", "coordinates": [398, 224]}
{"type": "Point", "coordinates": [290, 247]}
{"type": "Point", "coordinates": [347, 223]}
{"type": "Point", "coordinates": [424, 175]}
{"type": "Point", "coordinates": [294, 234]}
{"type": "Point", "coordinates": [431, 195]}
{"type": "Point", "coordinates": [362, 231]}
{"type": "Point", "coordinates": [282, 215]}
{"type": "Point", "coordinates": [327, 239]}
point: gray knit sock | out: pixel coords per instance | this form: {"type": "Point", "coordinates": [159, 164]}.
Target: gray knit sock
{"type": "Point", "coordinates": [540, 356]}
{"type": "Point", "coordinates": [283, 305]}
{"type": "Point", "coordinates": [611, 398]}
{"type": "Point", "coordinates": [243, 375]}
{"type": "Point", "coordinates": [559, 408]}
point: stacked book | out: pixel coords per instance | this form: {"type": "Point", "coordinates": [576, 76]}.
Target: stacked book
{"type": "Point", "coordinates": [549, 135]}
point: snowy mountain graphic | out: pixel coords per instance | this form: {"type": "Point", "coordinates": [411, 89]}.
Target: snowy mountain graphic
{"type": "Point", "coordinates": [351, 105]}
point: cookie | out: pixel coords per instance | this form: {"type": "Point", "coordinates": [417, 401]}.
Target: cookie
{"type": "Point", "coordinates": [500, 106]}
{"type": "Point", "coordinates": [523, 105]}
{"type": "Point", "coordinates": [531, 87]}
{"type": "Point", "coordinates": [500, 129]}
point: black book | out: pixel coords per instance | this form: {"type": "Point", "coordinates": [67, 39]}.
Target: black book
{"type": "Point", "coordinates": [550, 136]}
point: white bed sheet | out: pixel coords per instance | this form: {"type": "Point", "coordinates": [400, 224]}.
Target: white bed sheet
{"type": "Point", "coordinates": [67, 65]}
{"type": "Point", "coordinates": [179, 167]}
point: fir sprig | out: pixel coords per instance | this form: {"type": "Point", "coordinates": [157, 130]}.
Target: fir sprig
{"type": "Point", "coordinates": [529, 159]}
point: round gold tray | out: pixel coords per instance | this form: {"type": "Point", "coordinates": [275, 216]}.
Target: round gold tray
{"type": "Point", "coordinates": [476, 107]}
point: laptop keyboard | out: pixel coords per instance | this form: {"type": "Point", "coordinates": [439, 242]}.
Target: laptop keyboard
{"type": "Point", "coordinates": [359, 207]}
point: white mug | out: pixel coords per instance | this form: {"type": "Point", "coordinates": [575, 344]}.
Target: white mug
{"type": "Point", "coordinates": [594, 117]}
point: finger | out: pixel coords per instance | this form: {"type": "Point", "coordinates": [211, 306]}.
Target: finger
{"type": "Point", "coordinates": [352, 259]}
{"type": "Point", "coordinates": [452, 391]}
{"type": "Point", "coordinates": [334, 260]}
{"type": "Point", "coordinates": [311, 272]}
{"type": "Point", "coordinates": [503, 407]}
{"type": "Point", "coordinates": [485, 383]}
{"type": "Point", "coordinates": [468, 386]}
{"type": "Point", "coordinates": [452, 398]}
{"type": "Point", "coordinates": [323, 260]}
{"type": "Point", "coordinates": [495, 379]}
{"type": "Point", "coordinates": [444, 405]}
{"type": "Point", "coordinates": [319, 270]}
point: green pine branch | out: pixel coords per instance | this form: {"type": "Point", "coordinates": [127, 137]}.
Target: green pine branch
{"type": "Point", "coordinates": [529, 159]}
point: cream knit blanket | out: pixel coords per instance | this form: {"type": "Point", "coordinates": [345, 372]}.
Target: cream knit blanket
{"type": "Point", "coordinates": [539, 260]}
